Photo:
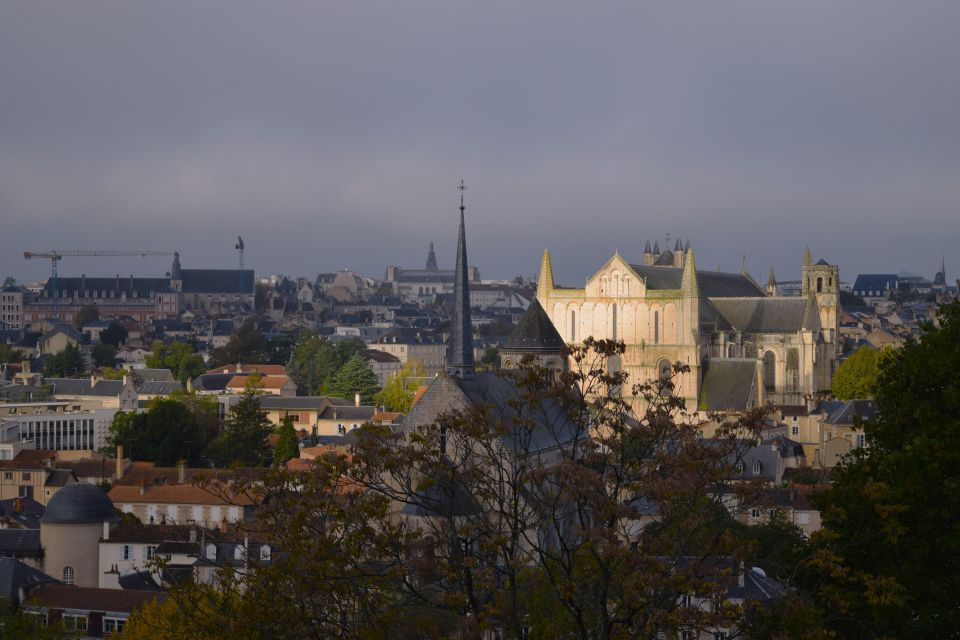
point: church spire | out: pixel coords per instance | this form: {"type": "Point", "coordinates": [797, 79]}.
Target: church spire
{"type": "Point", "coordinates": [460, 345]}
{"type": "Point", "coordinates": [689, 279]}
{"type": "Point", "coordinates": [807, 258]}
{"type": "Point", "coordinates": [431, 259]}
{"type": "Point", "coordinates": [772, 283]}
{"type": "Point", "coordinates": [545, 281]}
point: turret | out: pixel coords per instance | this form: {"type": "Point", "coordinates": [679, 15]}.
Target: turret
{"type": "Point", "coordinates": [647, 255]}
{"type": "Point", "coordinates": [431, 259]}
{"type": "Point", "coordinates": [772, 283]}
{"type": "Point", "coordinates": [678, 254]}
{"type": "Point", "coordinates": [545, 281]}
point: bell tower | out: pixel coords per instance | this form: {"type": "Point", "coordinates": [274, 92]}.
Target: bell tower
{"type": "Point", "coordinates": [821, 280]}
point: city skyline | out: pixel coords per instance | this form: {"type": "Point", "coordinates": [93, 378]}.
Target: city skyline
{"type": "Point", "coordinates": [749, 128]}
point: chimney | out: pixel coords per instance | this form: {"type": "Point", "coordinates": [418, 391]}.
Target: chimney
{"type": "Point", "coordinates": [182, 472]}
{"type": "Point", "coordinates": [119, 471]}
{"type": "Point", "coordinates": [83, 283]}
{"type": "Point", "coordinates": [239, 367]}
{"type": "Point", "coordinates": [126, 379]}
{"type": "Point", "coordinates": [356, 399]}
{"type": "Point", "coordinates": [18, 505]}
{"type": "Point", "coordinates": [93, 380]}
{"type": "Point", "coordinates": [189, 384]}
{"type": "Point", "coordinates": [143, 487]}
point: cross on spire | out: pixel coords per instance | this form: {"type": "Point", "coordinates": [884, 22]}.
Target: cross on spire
{"type": "Point", "coordinates": [462, 188]}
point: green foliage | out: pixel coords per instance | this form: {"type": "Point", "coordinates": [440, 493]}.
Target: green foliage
{"type": "Point", "coordinates": [8, 355]}
{"type": "Point", "coordinates": [68, 363]}
{"type": "Point", "coordinates": [109, 373]}
{"type": "Point", "coordinates": [17, 625]}
{"type": "Point", "coordinates": [167, 432]}
{"type": "Point", "coordinates": [490, 360]}
{"type": "Point", "coordinates": [104, 355]}
{"type": "Point", "coordinates": [243, 441]}
{"type": "Point", "coordinates": [887, 555]}
{"type": "Point", "coordinates": [315, 360]}
{"type": "Point", "coordinates": [246, 345]}
{"type": "Point", "coordinates": [848, 299]}
{"type": "Point", "coordinates": [856, 377]}
{"type": "Point", "coordinates": [88, 313]}
{"type": "Point", "coordinates": [179, 357]}
{"type": "Point", "coordinates": [287, 446]}
{"type": "Point", "coordinates": [402, 387]}
{"type": "Point", "coordinates": [114, 334]}
{"type": "Point", "coordinates": [353, 377]}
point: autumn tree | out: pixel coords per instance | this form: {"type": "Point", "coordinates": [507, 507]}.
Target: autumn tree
{"type": "Point", "coordinates": [402, 385]}
{"type": "Point", "coordinates": [355, 376]}
{"type": "Point", "coordinates": [856, 377]}
{"type": "Point", "coordinates": [246, 344]}
{"type": "Point", "coordinates": [887, 561]}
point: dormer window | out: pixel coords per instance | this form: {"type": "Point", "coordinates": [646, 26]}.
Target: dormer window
{"type": "Point", "coordinates": [211, 552]}
{"type": "Point", "coordinates": [756, 468]}
{"type": "Point", "coordinates": [265, 553]}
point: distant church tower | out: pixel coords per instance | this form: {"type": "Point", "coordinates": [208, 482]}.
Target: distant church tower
{"type": "Point", "coordinates": [460, 345]}
{"type": "Point", "coordinates": [432, 260]}
{"type": "Point", "coordinates": [822, 281]}
{"type": "Point", "coordinates": [772, 284]}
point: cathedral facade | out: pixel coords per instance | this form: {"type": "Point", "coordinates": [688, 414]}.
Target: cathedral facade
{"type": "Point", "coordinates": [744, 345]}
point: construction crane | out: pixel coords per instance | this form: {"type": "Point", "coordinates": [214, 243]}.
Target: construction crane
{"type": "Point", "coordinates": [55, 256]}
{"type": "Point", "coordinates": [239, 248]}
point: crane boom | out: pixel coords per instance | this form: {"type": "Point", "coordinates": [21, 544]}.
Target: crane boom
{"type": "Point", "coordinates": [58, 254]}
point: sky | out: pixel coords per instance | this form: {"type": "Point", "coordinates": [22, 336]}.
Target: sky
{"type": "Point", "coordinates": [333, 134]}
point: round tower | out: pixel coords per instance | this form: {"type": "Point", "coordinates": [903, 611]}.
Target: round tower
{"type": "Point", "coordinates": [70, 531]}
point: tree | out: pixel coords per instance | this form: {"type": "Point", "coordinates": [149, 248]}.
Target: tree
{"type": "Point", "coordinates": [68, 363]}
{"type": "Point", "coordinates": [243, 440]}
{"type": "Point", "coordinates": [401, 387]}
{"type": "Point", "coordinates": [886, 562]}
{"type": "Point", "coordinates": [287, 446]}
{"type": "Point", "coordinates": [490, 359]}
{"type": "Point", "coordinates": [315, 359]}
{"type": "Point", "coordinates": [8, 355]}
{"type": "Point", "coordinates": [114, 334]}
{"type": "Point", "coordinates": [166, 433]}
{"type": "Point", "coordinates": [104, 355]}
{"type": "Point", "coordinates": [88, 313]}
{"type": "Point", "coordinates": [179, 357]}
{"type": "Point", "coordinates": [856, 377]}
{"type": "Point", "coordinates": [246, 344]}
{"type": "Point", "coordinates": [355, 377]}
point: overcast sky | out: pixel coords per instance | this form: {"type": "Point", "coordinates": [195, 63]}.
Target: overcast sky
{"type": "Point", "coordinates": [333, 134]}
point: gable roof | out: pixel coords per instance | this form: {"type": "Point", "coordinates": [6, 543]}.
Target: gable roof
{"type": "Point", "coordinates": [729, 384]}
{"type": "Point", "coordinates": [534, 332]}
{"type": "Point", "coordinates": [15, 575]}
{"type": "Point", "coordinates": [876, 282]}
{"type": "Point", "coordinates": [712, 284]}
{"type": "Point", "coordinates": [84, 387]}
{"type": "Point", "coordinates": [767, 315]}
{"type": "Point", "coordinates": [90, 599]}
{"type": "Point", "coordinates": [216, 280]}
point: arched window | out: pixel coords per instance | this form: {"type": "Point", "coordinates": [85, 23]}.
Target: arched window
{"type": "Point", "coordinates": [819, 285]}
{"type": "Point", "coordinates": [769, 371]}
{"type": "Point", "coordinates": [656, 327]}
{"type": "Point", "coordinates": [211, 551]}
{"type": "Point", "coordinates": [664, 378]}
{"type": "Point", "coordinates": [68, 575]}
{"type": "Point", "coordinates": [573, 326]}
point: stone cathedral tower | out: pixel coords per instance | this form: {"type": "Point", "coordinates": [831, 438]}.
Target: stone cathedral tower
{"type": "Point", "coordinates": [822, 281]}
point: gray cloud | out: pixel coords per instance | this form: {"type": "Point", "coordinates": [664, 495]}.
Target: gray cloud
{"type": "Point", "coordinates": [332, 134]}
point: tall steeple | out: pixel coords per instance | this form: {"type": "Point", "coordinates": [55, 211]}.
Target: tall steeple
{"type": "Point", "coordinates": [688, 281]}
{"type": "Point", "coordinates": [545, 281]}
{"type": "Point", "coordinates": [460, 345]}
{"type": "Point", "coordinates": [431, 259]}
{"type": "Point", "coordinates": [772, 283]}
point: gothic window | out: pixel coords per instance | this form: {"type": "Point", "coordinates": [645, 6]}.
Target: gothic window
{"type": "Point", "coordinates": [573, 326]}
{"type": "Point", "coordinates": [769, 371]}
{"type": "Point", "coordinates": [793, 370]}
{"type": "Point", "coordinates": [819, 285]}
{"type": "Point", "coordinates": [656, 327]}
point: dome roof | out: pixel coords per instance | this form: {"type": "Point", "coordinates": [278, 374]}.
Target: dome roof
{"type": "Point", "coordinates": [79, 503]}
{"type": "Point", "coordinates": [534, 332]}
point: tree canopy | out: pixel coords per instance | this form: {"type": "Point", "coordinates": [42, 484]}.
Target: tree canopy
{"type": "Point", "coordinates": [402, 385]}
{"type": "Point", "coordinates": [114, 334]}
{"type": "Point", "coordinates": [67, 363]}
{"type": "Point", "coordinates": [179, 357]}
{"type": "Point", "coordinates": [104, 355]}
{"type": "Point", "coordinates": [856, 377]}
{"type": "Point", "coordinates": [315, 360]}
{"type": "Point", "coordinates": [246, 344]}
{"type": "Point", "coordinates": [243, 441]}
{"type": "Point", "coordinates": [88, 313]}
{"type": "Point", "coordinates": [355, 376]}
{"type": "Point", "coordinates": [886, 561]}
{"type": "Point", "coordinates": [169, 431]}
{"type": "Point", "coordinates": [287, 446]}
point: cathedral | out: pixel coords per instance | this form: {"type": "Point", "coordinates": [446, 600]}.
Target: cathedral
{"type": "Point", "coordinates": [744, 344]}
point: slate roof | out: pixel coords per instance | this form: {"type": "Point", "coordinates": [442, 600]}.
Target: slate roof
{"type": "Point", "coordinates": [143, 287]}
{"type": "Point", "coordinates": [379, 356]}
{"type": "Point", "coordinates": [767, 315]}
{"type": "Point", "coordinates": [851, 409]}
{"type": "Point", "coordinates": [83, 387]}
{"type": "Point", "coordinates": [158, 387]}
{"type": "Point", "coordinates": [90, 599]}
{"type": "Point", "coordinates": [553, 426]}
{"type": "Point", "coordinates": [212, 381]}
{"type": "Point", "coordinates": [15, 575]}
{"type": "Point", "coordinates": [67, 330]}
{"type": "Point", "coordinates": [296, 402]}
{"type": "Point", "coordinates": [79, 503]}
{"type": "Point", "coordinates": [153, 375]}
{"type": "Point", "coordinates": [29, 514]}
{"type": "Point", "coordinates": [712, 284]}
{"type": "Point", "coordinates": [20, 543]}
{"type": "Point", "coordinates": [879, 283]}
{"type": "Point", "coordinates": [348, 412]}
{"type": "Point", "coordinates": [729, 384]}
{"type": "Point", "coordinates": [534, 332]}
{"type": "Point", "coordinates": [138, 581]}
{"type": "Point", "coordinates": [216, 280]}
